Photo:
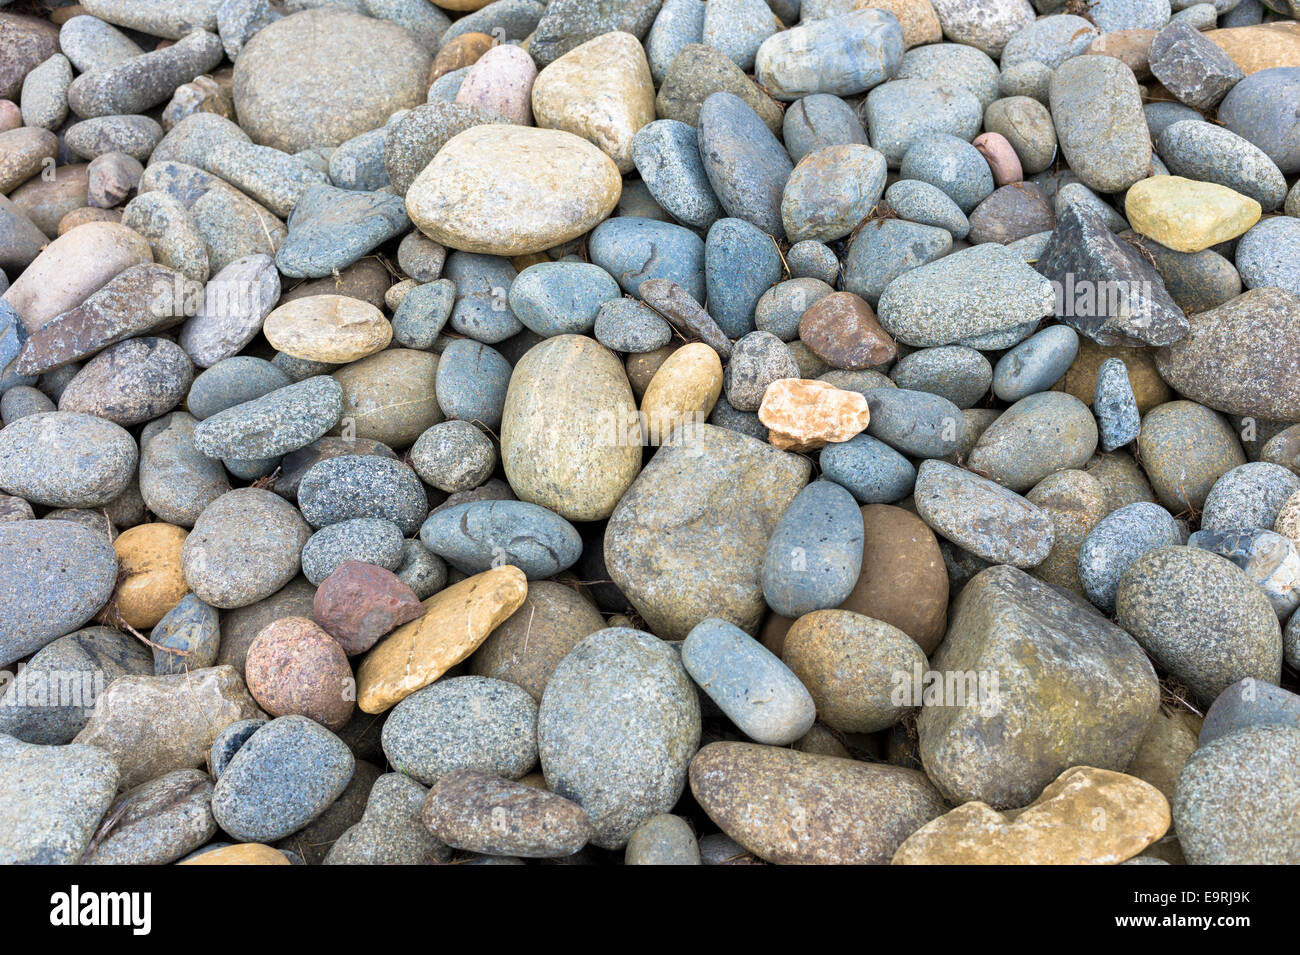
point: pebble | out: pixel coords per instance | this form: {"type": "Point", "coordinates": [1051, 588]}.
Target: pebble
{"type": "Point", "coordinates": [745, 163]}
{"type": "Point", "coordinates": [1185, 448]}
{"type": "Point", "coordinates": [176, 481]}
{"type": "Point", "coordinates": [962, 375]}
{"type": "Point", "coordinates": [983, 517]}
{"type": "Point", "coordinates": [276, 423]}
{"type": "Point", "coordinates": [741, 262]}
{"type": "Point", "coordinates": [1255, 110]}
{"type": "Point", "coordinates": [663, 840]}
{"type": "Point", "coordinates": [368, 539]}
{"type": "Point", "coordinates": [635, 250]}
{"type": "Point", "coordinates": [66, 459]}
{"type": "Point", "coordinates": [158, 822]}
{"type": "Point", "coordinates": [1036, 363]}
{"type": "Point", "coordinates": [626, 325]}
{"type": "Point", "coordinates": [390, 831]}
{"type": "Point", "coordinates": [964, 66]}
{"type": "Point", "coordinates": [1187, 215]}
{"type": "Point", "coordinates": [872, 471]}
{"type": "Point", "coordinates": [1198, 150]}
{"type": "Point", "coordinates": [479, 812]}
{"type": "Point", "coordinates": [814, 555]}
{"type": "Point", "coordinates": [1097, 110]}
{"type": "Point", "coordinates": [1039, 434]}
{"type": "Point", "coordinates": [805, 415]}
{"type": "Point", "coordinates": [472, 382]}
{"type": "Point", "coordinates": [900, 113]}
{"type": "Point", "coordinates": [843, 331]}
{"type": "Point", "coordinates": [561, 298]}
{"type": "Point", "coordinates": [1246, 704]}
{"type": "Point", "coordinates": [843, 55]}
{"type": "Point", "coordinates": [667, 156]}
{"type": "Point", "coordinates": [187, 636]}
{"type": "Point", "coordinates": [1264, 256]}
{"type": "Point", "coordinates": [1248, 496]}
{"type": "Point", "coordinates": [921, 202]}
{"type": "Point", "coordinates": [757, 360]}
{"type": "Point", "coordinates": [1269, 559]}
{"type": "Point", "coordinates": [1115, 406]}
{"type": "Point", "coordinates": [1117, 540]}
{"type": "Point", "coordinates": [481, 534]}
{"type": "Point", "coordinates": [56, 797]}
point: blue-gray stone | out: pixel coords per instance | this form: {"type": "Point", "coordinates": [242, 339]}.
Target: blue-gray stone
{"type": "Point", "coordinates": [916, 423]}
{"type": "Point", "coordinates": [818, 121]}
{"type": "Point", "coordinates": [228, 742]}
{"type": "Point", "coordinates": [1261, 109]}
{"type": "Point", "coordinates": [561, 298]}
{"type": "Point", "coordinates": [953, 166]}
{"type": "Point", "coordinates": [746, 164]}
{"type": "Point", "coordinates": [472, 382]}
{"type": "Point", "coordinates": [633, 250]}
{"type": "Point", "coordinates": [979, 516]}
{"type": "Point", "coordinates": [667, 155]}
{"type": "Point", "coordinates": [1269, 254]}
{"type": "Point", "coordinates": [13, 334]}
{"type": "Point", "coordinates": [757, 360]}
{"type": "Point", "coordinates": [813, 260]}
{"type": "Point", "coordinates": [233, 381]}
{"type": "Point", "coordinates": [1112, 15]}
{"type": "Point", "coordinates": [779, 308]}
{"type": "Point", "coordinates": [1029, 78]}
{"type": "Point", "coordinates": [919, 201]}
{"type": "Point", "coordinates": [748, 682]}
{"type": "Point", "coordinates": [482, 310]}
{"type": "Point", "coordinates": [507, 19]}
{"type": "Point", "coordinates": [1248, 703]}
{"type": "Point", "coordinates": [453, 456]}
{"type": "Point", "coordinates": [280, 421]}
{"type": "Point", "coordinates": [887, 248]}
{"type": "Point", "coordinates": [186, 638]}
{"type": "Point", "coordinates": [637, 201]}
{"type": "Point", "coordinates": [1115, 406]}
{"type": "Point", "coordinates": [1120, 538]}
{"type": "Point", "coordinates": [446, 87]}
{"type": "Point", "coordinates": [1050, 40]}
{"type": "Point", "coordinates": [745, 422]}
{"type": "Point", "coordinates": [466, 722]}
{"type": "Point", "coordinates": [901, 113]}
{"type": "Point", "coordinates": [362, 485]}
{"type": "Point", "coordinates": [1246, 13]}
{"type": "Point", "coordinates": [359, 163]}
{"type": "Point", "coordinates": [1250, 495]}
{"type": "Point", "coordinates": [331, 228]}
{"type": "Point", "coordinates": [678, 24]}
{"type": "Point", "coordinates": [1268, 559]}
{"type": "Point", "coordinates": [422, 314]}
{"type": "Point", "coordinates": [962, 375]}
{"type": "Point", "coordinates": [566, 24]}
{"type": "Point", "coordinates": [1210, 153]}
{"type": "Point", "coordinates": [370, 540]}
{"type": "Point", "coordinates": [1035, 364]}
{"type": "Point", "coordinates": [480, 535]}
{"type": "Point", "coordinates": [53, 799]}
{"type": "Point", "coordinates": [1161, 115]}
{"type": "Point", "coordinates": [283, 777]}
{"type": "Point", "coordinates": [738, 28]}
{"type": "Point", "coordinates": [871, 470]}
{"type": "Point", "coordinates": [741, 262]}
{"type": "Point", "coordinates": [959, 64]}
{"type": "Point", "coordinates": [34, 710]}
{"type": "Point", "coordinates": [626, 325]}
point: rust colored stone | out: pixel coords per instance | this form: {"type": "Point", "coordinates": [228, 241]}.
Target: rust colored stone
{"type": "Point", "coordinates": [296, 668]}
{"type": "Point", "coordinates": [841, 330]}
{"type": "Point", "coordinates": [359, 603]}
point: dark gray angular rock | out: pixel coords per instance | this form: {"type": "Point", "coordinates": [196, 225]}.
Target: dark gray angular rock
{"type": "Point", "coordinates": [570, 23]}
{"type": "Point", "coordinates": [1105, 288]}
{"type": "Point", "coordinates": [1192, 67]}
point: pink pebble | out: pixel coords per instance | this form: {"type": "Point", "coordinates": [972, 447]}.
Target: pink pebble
{"type": "Point", "coordinates": [11, 117]}
{"type": "Point", "coordinates": [1001, 157]}
{"type": "Point", "coordinates": [502, 80]}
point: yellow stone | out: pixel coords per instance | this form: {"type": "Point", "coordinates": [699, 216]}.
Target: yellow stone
{"type": "Point", "coordinates": [454, 623]}
{"type": "Point", "coordinates": [331, 328]}
{"type": "Point", "coordinates": [685, 388]}
{"type": "Point", "coordinates": [1086, 817]}
{"type": "Point", "coordinates": [803, 414]}
{"type": "Point", "coordinates": [246, 853]}
{"type": "Point", "coordinates": [1186, 215]}
{"type": "Point", "coordinates": [1262, 46]}
{"type": "Point", "coordinates": [601, 91]}
{"type": "Point", "coordinates": [1171, 737]}
{"type": "Point", "coordinates": [512, 190]}
{"type": "Point", "coordinates": [149, 561]}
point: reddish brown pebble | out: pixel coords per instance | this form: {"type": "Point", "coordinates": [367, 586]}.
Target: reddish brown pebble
{"type": "Point", "coordinates": [296, 668]}
{"type": "Point", "coordinates": [841, 330]}
{"type": "Point", "coordinates": [459, 52]}
{"type": "Point", "coordinates": [11, 117]}
{"type": "Point", "coordinates": [359, 603]}
{"type": "Point", "coordinates": [1001, 157]}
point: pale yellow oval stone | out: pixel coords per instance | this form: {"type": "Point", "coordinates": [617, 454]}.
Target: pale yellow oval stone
{"type": "Point", "coordinates": [512, 190]}
{"type": "Point", "coordinates": [454, 623]}
{"type": "Point", "coordinates": [1187, 215]}
{"type": "Point", "coordinates": [685, 388]}
{"type": "Point", "coordinates": [601, 91]}
{"type": "Point", "coordinates": [246, 853]}
{"type": "Point", "coordinates": [330, 328]}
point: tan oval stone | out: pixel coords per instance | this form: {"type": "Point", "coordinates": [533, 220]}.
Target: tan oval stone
{"type": "Point", "coordinates": [85, 214]}
{"type": "Point", "coordinates": [511, 190]}
{"type": "Point", "coordinates": [454, 623]}
{"type": "Point", "coordinates": [685, 388]}
{"type": "Point", "coordinates": [23, 152]}
{"type": "Point", "coordinates": [803, 414]}
{"type": "Point", "coordinates": [46, 200]}
{"type": "Point", "coordinates": [460, 52]}
{"type": "Point", "coordinates": [151, 582]}
{"type": "Point", "coordinates": [329, 328]}
{"type": "Point", "coordinates": [389, 396]}
{"type": "Point", "coordinates": [1131, 47]}
{"type": "Point", "coordinates": [1171, 737]}
{"type": "Point", "coordinates": [72, 267]}
{"type": "Point", "coordinates": [1080, 379]}
{"type": "Point", "coordinates": [1186, 215]}
{"type": "Point", "coordinates": [601, 91]}
{"type": "Point", "coordinates": [569, 436]}
{"type": "Point", "coordinates": [1086, 817]}
{"type": "Point", "coordinates": [1074, 501]}
{"type": "Point", "coordinates": [245, 853]}
{"type": "Point", "coordinates": [1262, 46]}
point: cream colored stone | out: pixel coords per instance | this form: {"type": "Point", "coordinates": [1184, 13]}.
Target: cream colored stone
{"type": "Point", "coordinates": [245, 853]}
{"type": "Point", "coordinates": [1086, 817]}
{"type": "Point", "coordinates": [803, 414]}
{"type": "Point", "coordinates": [150, 578]}
{"type": "Point", "coordinates": [1260, 47]}
{"type": "Point", "coordinates": [1187, 215]}
{"type": "Point", "coordinates": [685, 388]}
{"type": "Point", "coordinates": [330, 328]}
{"type": "Point", "coordinates": [511, 190]}
{"type": "Point", "coordinates": [454, 623]}
{"type": "Point", "coordinates": [601, 91]}
{"type": "Point", "coordinates": [72, 267]}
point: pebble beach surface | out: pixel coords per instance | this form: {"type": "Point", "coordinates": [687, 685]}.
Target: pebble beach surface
{"type": "Point", "coordinates": [663, 432]}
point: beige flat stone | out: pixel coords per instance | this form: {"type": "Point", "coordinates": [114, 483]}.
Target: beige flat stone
{"type": "Point", "coordinates": [803, 414]}
{"type": "Point", "coordinates": [329, 328]}
{"type": "Point", "coordinates": [1186, 215]}
{"type": "Point", "coordinates": [455, 622]}
{"type": "Point", "coordinates": [1086, 816]}
{"type": "Point", "coordinates": [601, 91]}
{"type": "Point", "coordinates": [1260, 47]}
{"type": "Point", "coordinates": [512, 190]}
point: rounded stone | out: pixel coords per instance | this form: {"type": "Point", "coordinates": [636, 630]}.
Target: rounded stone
{"type": "Point", "coordinates": [327, 328]}
{"type": "Point", "coordinates": [389, 396]}
{"type": "Point", "coordinates": [757, 360]}
{"type": "Point", "coordinates": [1266, 255]}
{"type": "Point", "coordinates": [982, 517]}
{"type": "Point", "coordinates": [453, 456]}
{"type": "Point", "coordinates": [149, 560]}
{"type": "Point", "coordinates": [561, 298]}
{"type": "Point", "coordinates": [952, 165]}
{"type": "Point", "coordinates": [872, 471]}
{"type": "Point", "coordinates": [472, 381]}
{"type": "Point", "coordinates": [626, 325]}
{"type": "Point", "coordinates": [371, 540]}
{"type": "Point", "coordinates": [831, 191]}
{"type": "Point", "coordinates": [131, 382]}
{"type": "Point", "coordinates": [1035, 364]}
{"type": "Point", "coordinates": [1185, 447]}
{"type": "Point", "coordinates": [362, 485]}
{"type": "Point", "coordinates": [1249, 496]}
{"type": "Point", "coordinates": [814, 555]}
{"type": "Point", "coordinates": [902, 112]}
{"type": "Point", "coordinates": [296, 668]}
{"type": "Point", "coordinates": [1120, 538]}
{"type": "Point", "coordinates": [1045, 432]}
{"type": "Point", "coordinates": [466, 722]}
{"type": "Point", "coordinates": [66, 459]}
